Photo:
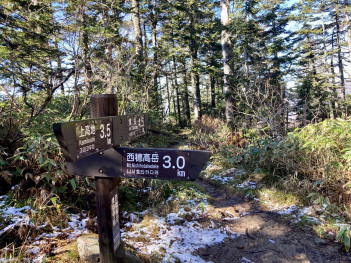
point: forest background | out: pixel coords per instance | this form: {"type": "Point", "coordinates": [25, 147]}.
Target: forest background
{"type": "Point", "coordinates": [242, 74]}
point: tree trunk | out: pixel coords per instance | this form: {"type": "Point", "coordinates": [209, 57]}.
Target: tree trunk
{"type": "Point", "coordinates": [76, 100]}
{"type": "Point", "coordinates": [195, 83]}
{"type": "Point", "coordinates": [195, 80]}
{"type": "Point", "coordinates": [137, 30]}
{"type": "Point", "coordinates": [174, 105]}
{"type": "Point", "coordinates": [348, 25]}
{"type": "Point", "coordinates": [59, 66]}
{"type": "Point", "coordinates": [154, 44]}
{"type": "Point", "coordinates": [213, 92]}
{"type": "Point", "coordinates": [340, 62]}
{"type": "Point", "coordinates": [146, 41]}
{"type": "Point", "coordinates": [186, 94]}
{"type": "Point", "coordinates": [156, 98]}
{"type": "Point", "coordinates": [227, 51]}
{"type": "Point", "coordinates": [176, 89]}
{"type": "Point", "coordinates": [87, 65]}
{"type": "Point", "coordinates": [168, 97]}
{"type": "Point", "coordinates": [330, 100]}
{"type": "Point", "coordinates": [335, 95]}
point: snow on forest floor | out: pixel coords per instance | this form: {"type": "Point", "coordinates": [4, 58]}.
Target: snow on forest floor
{"type": "Point", "coordinates": [178, 234]}
{"type": "Point", "coordinates": [315, 215]}
{"type": "Point", "coordinates": [35, 248]}
{"type": "Point", "coordinates": [171, 232]}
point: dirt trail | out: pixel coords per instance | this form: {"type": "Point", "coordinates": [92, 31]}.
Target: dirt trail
{"type": "Point", "coordinates": [264, 235]}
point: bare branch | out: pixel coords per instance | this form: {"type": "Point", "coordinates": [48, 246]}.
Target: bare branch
{"type": "Point", "coordinates": [11, 98]}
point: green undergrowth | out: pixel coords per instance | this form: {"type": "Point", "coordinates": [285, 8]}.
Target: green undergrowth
{"type": "Point", "coordinates": [310, 166]}
{"type": "Point", "coordinates": [157, 140]}
{"type": "Point", "coordinates": [313, 161]}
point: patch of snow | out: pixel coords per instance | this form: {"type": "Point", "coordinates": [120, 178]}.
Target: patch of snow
{"type": "Point", "coordinates": [34, 250]}
{"type": "Point", "coordinates": [175, 238]}
{"type": "Point", "coordinates": [245, 260]}
{"type": "Point", "coordinates": [173, 217]}
{"type": "Point", "coordinates": [212, 224]}
{"type": "Point", "coordinates": [247, 185]}
{"type": "Point", "coordinates": [178, 241]}
{"type": "Point", "coordinates": [230, 218]}
{"type": "Point", "coordinates": [222, 180]}
{"type": "Point", "coordinates": [77, 225]}
{"type": "Point", "coordinates": [244, 213]}
{"type": "Point", "coordinates": [343, 225]}
{"type": "Point", "coordinates": [133, 217]}
{"type": "Point", "coordinates": [307, 210]}
{"type": "Point", "coordinates": [38, 259]}
{"type": "Point", "coordinates": [297, 213]}
{"type": "Point", "coordinates": [229, 231]}
{"type": "Point", "coordinates": [14, 187]}
{"type": "Point", "coordinates": [224, 177]}
{"type": "Point", "coordinates": [15, 216]}
{"type": "Point", "coordinates": [288, 210]}
{"type": "Point", "coordinates": [21, 216]}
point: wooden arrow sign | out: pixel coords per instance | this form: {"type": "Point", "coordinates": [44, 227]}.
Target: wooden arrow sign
{"type": "Point", "coordinates": [149, 163]}
{"type": "Point", "coordinates": [79, 139]}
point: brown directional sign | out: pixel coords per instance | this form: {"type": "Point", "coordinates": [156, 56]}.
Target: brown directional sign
{"type": "Point", "coordinates": [79, 139]}
{"type": "Point", "coordinates": [142, 163]}
{"type": "Point", "coordinates": [89, 147]}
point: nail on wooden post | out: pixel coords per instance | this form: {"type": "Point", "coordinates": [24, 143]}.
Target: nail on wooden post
{"type": "Point", "coordinates": [103, 105]}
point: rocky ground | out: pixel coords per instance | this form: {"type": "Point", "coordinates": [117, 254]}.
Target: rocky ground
{"type": "Point", "coordinates": [263, 236]}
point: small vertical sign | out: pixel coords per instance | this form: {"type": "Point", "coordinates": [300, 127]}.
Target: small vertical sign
{"type": "Point", "coordinates": [115, 219]}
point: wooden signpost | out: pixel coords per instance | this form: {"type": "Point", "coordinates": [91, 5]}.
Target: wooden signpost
{"type": "Point", "coordinates": [90, 148]}
{"type": "Point", "coordinates": [79, 139]}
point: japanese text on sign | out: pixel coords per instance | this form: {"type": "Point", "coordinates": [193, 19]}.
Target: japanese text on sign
{"type": "Point", "coordinates": [93, 136]}
{"type": "Point", "coordinates": [136, 126]}
{"type": "Point", "coordinates": [115, 220]}
{"type": "Point", "coordinates": [155, 163]}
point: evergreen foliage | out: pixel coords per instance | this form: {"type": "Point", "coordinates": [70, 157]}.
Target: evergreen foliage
{"type": "Point", "coordinates": [242, 74]}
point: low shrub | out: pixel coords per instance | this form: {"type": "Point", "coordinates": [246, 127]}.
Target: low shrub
{"type": "Point", "coordinates": [213, 134]}
{"type": "Point", "coordinates": [316, 158]}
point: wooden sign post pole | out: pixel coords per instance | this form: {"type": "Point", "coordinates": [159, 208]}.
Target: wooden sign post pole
{"type": "Point", "coordinates": [103, 105]}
